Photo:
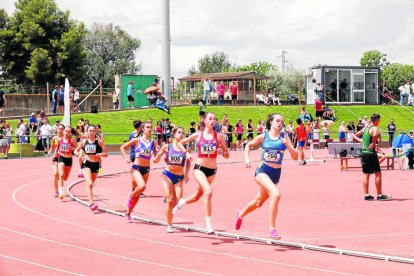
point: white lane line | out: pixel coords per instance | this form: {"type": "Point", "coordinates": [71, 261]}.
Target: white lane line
{"type": "Point", "coordinates": [40, 265]}
{"type": "Point", "coordinates": [165, 243]}
{"type": "Point", "coordinates": [102, 252]}
{"type": "Point", "coordinates": [381, 235]}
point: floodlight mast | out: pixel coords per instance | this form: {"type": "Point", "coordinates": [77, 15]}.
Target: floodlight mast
{"type": "Point", "coordinates": [165, 50]}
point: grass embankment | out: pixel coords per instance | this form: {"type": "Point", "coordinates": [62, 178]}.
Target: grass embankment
{"type": "Point", "coordinates": [121, 122]}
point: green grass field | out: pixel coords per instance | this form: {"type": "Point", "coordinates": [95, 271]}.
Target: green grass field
{"type": "Point", "coordinates": [121, 122]}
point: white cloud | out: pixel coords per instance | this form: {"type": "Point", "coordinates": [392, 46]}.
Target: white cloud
{"type": "Point", "coordinates": [313, 32]}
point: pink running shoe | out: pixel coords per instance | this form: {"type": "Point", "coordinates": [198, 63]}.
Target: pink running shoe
{"type": "Point", "coordinates": [274, 234]}
{"type": "Point", "coordinates": [94, 206]}
{"type": "Point", "coordinates": [128, 218]}
{"type": "Point", "coordinates": [238, 221]}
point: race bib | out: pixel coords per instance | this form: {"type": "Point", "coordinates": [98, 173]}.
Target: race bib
{"type": "Point", "coordinates": [175, 159]}
{"type": "Point", "coordinates": [90, 149]}
{"type": "Point", "coordinates": [64, 148]}
{"type": "Point", "coordinates": [208, 148]}
{"type": "Point", "coordinates": [272, 156]}
{"type": "Point", "coordinates": [145, 152]}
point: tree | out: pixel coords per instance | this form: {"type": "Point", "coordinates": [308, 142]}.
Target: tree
{"type": "Point", "coordinates": [374, 58]}
{"type": "Point", "coordinates": [261, 67]}
{"type": "Point", "coordinates": [215, 63]}
{"type": "Point", "coordinates": [110, 51]}
{"type": "Point", "coordinates": [287, 82]}
{"type": "Point", "coordinates": [36, 29]}
{"type": "Point", "coordinates": [396, 74]}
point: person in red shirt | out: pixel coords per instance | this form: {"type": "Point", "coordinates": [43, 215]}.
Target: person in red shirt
{"type": "Point", "coordinates": [318, 109]}
{"type": "Point", "coordinates": [301, 138]}
{"type": "Point", "coordinates": [234, 89]}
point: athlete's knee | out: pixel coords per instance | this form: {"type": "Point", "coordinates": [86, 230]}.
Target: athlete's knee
{"type": "Point", "coordinates": [259, 203]}
{"type": "Point", "coordinates": [170, 200]}
{"type": "Point", "coordinates": [275, 197]}
{"type": "Point", "coordinates": [208, 193]}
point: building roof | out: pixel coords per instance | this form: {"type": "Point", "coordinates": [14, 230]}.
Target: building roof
{"type": "Point", "coordinates": [225, 76]}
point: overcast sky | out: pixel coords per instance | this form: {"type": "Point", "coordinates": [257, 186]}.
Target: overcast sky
{"type": "Point", "coordinates": [313, 32]}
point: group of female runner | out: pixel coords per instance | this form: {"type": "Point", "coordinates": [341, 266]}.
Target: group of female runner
{"type": "Point", "coordinates": [209, 144]}
{"type": "Point", "coordinates": [89, 150]}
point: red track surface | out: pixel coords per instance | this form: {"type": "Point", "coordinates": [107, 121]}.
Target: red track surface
{"type": "Point", "coordinates": [320, 205]}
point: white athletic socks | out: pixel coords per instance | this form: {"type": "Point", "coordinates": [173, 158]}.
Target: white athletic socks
{"type": "Point", "coordinates": [209, 226]}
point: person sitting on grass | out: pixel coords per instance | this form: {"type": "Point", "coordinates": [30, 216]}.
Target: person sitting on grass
{"type": "Point", "coordinates": [160, 104]}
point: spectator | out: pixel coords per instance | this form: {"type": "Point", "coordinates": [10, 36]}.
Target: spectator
{"type": "Point", "coordinates": [160, 104]}
{"type": "Point", "coordinates": [392, 128]}
{"type": "Point", "coordinates": [76, 99]}
{"type": "Point", "coordinates": [250, 129]}
{"type": "Point", "coordinates": [115, 97]}
{"type": "Point", "coordinates": [225, 132]}
{"type": "Point", "coordinates": [61, 98]}
{"type": "Point", "coordinates": [259, 128]}
{"type": "Point", "coordinates": [386, 94]}
{"type": "Point", "coordinates": [351, 130]}
{"type": "Point", "coordinates": [33, 122]}
{"type": "Point", "coordinates": [316, 129]}
{"type": "Point", "coordinates": [54, 95]}
{"type": "Point", "coordinates": [272, 98]}
{"type": "Point", "coordinates": [318, 109]}
{"type": "Point", "coordinates": [410, 101]}
{"type": "Point", "coordinates": [130, 96]}
{"type": "Point", "coordinates": [39, 145]}
{"type": "Point", "coordinates": [234, 93]}
{"type": "Point", "coordinates": [319, 91]}
{"type": "Point", "coordinates": [216, 125]}
{"type": "Point", "coordinates": [261, 99]}
{"type": "Point", "coordinates": [404, 94]}
{"type": "Point", "coordinates": [202, 109]}
{"type": "Point", "coordinates": [4, 142]}
{"type": "Point", "coordinates": [206, 91]}
{"type": "Point", "coordinates": [365, 121]}
{"type": "Point", "coordinates": [3, 102]}
{"type": "Point", "coordinates": [329, 114]}
{"type": "Point", "coordinates": [55, 127]}
{"type": "Point", "coordinates": [326, 136]}
{"type": "Point", "coordinates": [46, 132]}
{"type": "Point", "coordinates": [292, 99]}
{"type": "Point", "coordinates": [302, 137]}
{"type": "Point", "coordinates": [230, 130]}
{"type": "Point", "coordinates": [290, 129]}
{"type": "Point", "coordinates": [220, 88]}
{"type": "Point", "coordinates": [21, 131]}
{"type": "Point", "coordinates": [342, 131]}
{"type": "Point", "coordinates": [239, 132]}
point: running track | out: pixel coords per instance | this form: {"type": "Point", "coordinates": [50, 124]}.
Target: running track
{"type": "Point", "coordinates": [320, 205]}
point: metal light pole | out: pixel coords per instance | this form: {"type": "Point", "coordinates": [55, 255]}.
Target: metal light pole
{"type": "Point", "coordinates": [284, 61]}
{"type": "Point", "coordinates": [165, 50]}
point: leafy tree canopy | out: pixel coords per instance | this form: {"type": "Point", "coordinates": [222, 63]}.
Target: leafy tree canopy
{"type": "Point", "coordinates": [214, 63]}
{"type": "Point", "coordinates": [110, 51]}
{"type": "Point", "coordinates": [396, 74]}
{"type": "Point", "coordinates": [41, 43]}
{"type": "Point", "coordinates": [374, 58]}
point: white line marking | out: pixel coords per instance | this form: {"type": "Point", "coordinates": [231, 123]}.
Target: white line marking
{"type": "Point", "coordinates": [101, 252]}
{"type": "Point", "coordinates": [164, 243]}
{"type": "Point", "coordinates": [40, 265]}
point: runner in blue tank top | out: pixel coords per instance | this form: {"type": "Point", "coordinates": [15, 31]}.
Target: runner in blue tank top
{"type": "Point", "coordinates": [273, 143]}
{"type": "Point", "coordinates": [174, 175]}
{"type": "Point", "coordinates": [144, 150]}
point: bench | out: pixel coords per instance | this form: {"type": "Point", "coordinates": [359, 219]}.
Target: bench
{"type": "Point", "coordinates": [390, 165]}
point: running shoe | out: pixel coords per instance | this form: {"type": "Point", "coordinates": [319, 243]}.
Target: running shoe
{"type": "Point", "coordinates": [274, 234]}
{"type": "Point", "coordinates": [165, 199]}
{"type": "Point", "coordinates": [128, 218]}
{"type": "Point", "coordinates": [94, 206]}
{"type": "Point", "coordinates": [368, 197]}
{"type": "Point", "coordinates": [238, 220]}
{"type": "Point", "coordinates": [141, 195]}
{"type": "Point", "coordinates": [56, 194]}
{"type": "Point", "coordinates": [170, 229]}
{"type": "Point", "coordinates": [61, 196]}
{"type": "Point", "coordinates": [383, 197]}
{"type": "Point", "coordinates": [178, 207]}
{"type": "Point", "coordinates": [209, 230]}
